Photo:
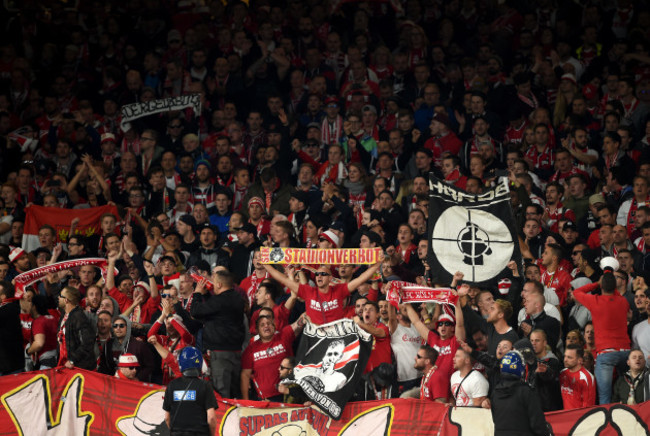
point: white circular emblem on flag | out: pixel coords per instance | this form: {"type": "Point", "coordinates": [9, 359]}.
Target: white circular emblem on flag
{"type": "Point", "coordinates": [474, 242]}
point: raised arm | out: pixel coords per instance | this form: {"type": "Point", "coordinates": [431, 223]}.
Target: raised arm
{"type": "Point", "coordinates": [151, 276]}
{"type": "Point", "coordinates": [392, 319]}
{"type": "Point", "coordinates": [282, 279]}
{"type": "Point", "coordinates": [364, 277]}
{"type": "Point", "coordinates": [460, 320]}
{"type": "Point", "coordinates": [110, 269]}
{"type": "Point", "coordinates": [417, 323]}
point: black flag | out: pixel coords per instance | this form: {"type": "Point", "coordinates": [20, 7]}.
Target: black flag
{"type": "Point", "coordinates": [473, 234]}
{"type": "Point", "coordinates": [331, 361]}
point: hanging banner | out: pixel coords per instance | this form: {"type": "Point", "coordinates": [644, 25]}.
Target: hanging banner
{"type": "Point", "coordinates": [322, 256]}
{"type": "Point", "coordinates": [134, 111]}
{"type": "Point", "coordinates": [64, 402]}
{"type": "Point", "coordinates": [398, 292]}
{"type": "Point", "coordinates": [60, 219]}
{"type": "Point", "coordinates": [473, 234]}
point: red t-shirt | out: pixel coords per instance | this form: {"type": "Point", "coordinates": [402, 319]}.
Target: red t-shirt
{"type": "Point", "coordinates": [381, 350]}
{"type": "Point", "coordinates": [264, 359]}
{"type": "Point", "coordinates": [558, 281]}
{"type": "Point", "coordinates": [578, 388]}
{"type": "Point", "coordinates": [280, 313]}
{"type": "Point", "coordinates": [45, 325]}
{"type": "Point", "coordinates": [26, 325]}
{"type": "Point", "coordinates": [323, 308]}
{"type": "Point", "coordinates": [609, 314]}
{"type": "Point", "coordinates": [435, 384]}
{"type": "Point", "coordinates": [446, 349]}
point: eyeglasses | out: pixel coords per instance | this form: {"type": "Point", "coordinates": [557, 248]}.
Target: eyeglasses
{"type": "Point", "coordinates": [446, 323]}
{"type": "Point", "coordinates": [73, 244]}
{"type": "Point", "coordinates": [321, 274]}
{"type": "Point", "coordinates": [119, 326]}
{"type": "Point", "coordinates": [286, 368]}
{"type": "Point", "coordinates": [63, 296]}
{"type": "Point", "coordinates": [129, 367]}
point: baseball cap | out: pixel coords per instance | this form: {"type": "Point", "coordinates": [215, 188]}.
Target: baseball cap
{"type": "Point", "coordinates": [207, 226]}
{"type": "Point", "coordinates": [569, 225]}
{"type": "Point", "coordinates": [248, 228]}
{"type": "Point", "coordinates": [596, 198]}
{"type": "Point", "coordinates": [369, 108]}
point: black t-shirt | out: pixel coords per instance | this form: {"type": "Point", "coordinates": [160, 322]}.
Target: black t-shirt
{"type": "Point", "coordinates": [191, 247]}
{"type": "Point", "coordinates": [197, 397]}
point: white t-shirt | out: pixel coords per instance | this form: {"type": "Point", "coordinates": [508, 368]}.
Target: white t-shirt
{"type": "Point", "coordinates": [641, 339]}
{"type": "Point", "coordinates": [474, 386]}
{"type": "Point", "coordinates": [405, 342]}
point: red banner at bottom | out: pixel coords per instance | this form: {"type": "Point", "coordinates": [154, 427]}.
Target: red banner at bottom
{"type": "Point", "coordinates": [67, 402]}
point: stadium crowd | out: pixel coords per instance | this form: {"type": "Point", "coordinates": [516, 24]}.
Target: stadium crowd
{"type": "Point", "coordinates": [319, 126]}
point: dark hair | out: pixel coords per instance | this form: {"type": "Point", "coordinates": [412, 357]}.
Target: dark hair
{"type": "Point", "coordinates": [608, 282]}
{"type": "Point", "coordinates": [580, 351]}
{"type": "Point", "coordinates": [40, 304]}
{"type": "Point", "coordinates": [430, 353]}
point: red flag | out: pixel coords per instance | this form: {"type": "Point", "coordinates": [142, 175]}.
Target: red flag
{"type": "Point", "coordinates": [60, 219]}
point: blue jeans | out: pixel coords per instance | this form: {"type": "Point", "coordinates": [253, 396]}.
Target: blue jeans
{"type": "Point", "coordinates": [605, 364]}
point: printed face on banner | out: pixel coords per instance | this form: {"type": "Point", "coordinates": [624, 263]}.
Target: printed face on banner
{"type": "Point", "coordinates": [472, 241]}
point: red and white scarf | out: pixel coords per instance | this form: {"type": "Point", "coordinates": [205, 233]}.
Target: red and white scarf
{"type": "Point", "coordinates": [331, 132]}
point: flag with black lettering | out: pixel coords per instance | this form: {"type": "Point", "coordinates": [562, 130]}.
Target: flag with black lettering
{"type": "Point", "coordinates": [331, 358]}
{"type": "Point", "coordinates": [473, 234]}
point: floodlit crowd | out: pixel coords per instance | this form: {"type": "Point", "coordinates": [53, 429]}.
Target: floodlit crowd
{"type": "Point", "coordinates": [320, 124]}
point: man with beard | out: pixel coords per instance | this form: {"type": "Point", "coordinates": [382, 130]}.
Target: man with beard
{"type": "Point", "coordinates": [203, 190]}
{"type": "Point", "coordinates": [92, 300]}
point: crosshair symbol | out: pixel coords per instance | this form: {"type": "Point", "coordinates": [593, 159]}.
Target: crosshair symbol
{"type": "Point", "coordinates": [472, 242]}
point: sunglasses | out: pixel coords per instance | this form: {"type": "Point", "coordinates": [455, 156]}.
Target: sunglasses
{"type": "Point", "coordinates": [165, 295]}
{"type": "Point", "coordinates": [446, 323]}
{"type": "Point", "coordinates": [321, 274]}
{"type": "Point", "coordinates": [575, 252]}
{"type": "Point", "coordinates": [417, 356]}
{"type": "Point", "coordinates": [119, 326]}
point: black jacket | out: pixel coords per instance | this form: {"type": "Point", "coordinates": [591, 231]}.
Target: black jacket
{"type": "Point", "coordinates": [516, 410]}
{"type": "Point", "coordinates": [80, 340]}
{"type": "Point", "coordinates": [547, 384]}
{"type": "Point", "coordinates": [223, 320]}
{"type": "Point", "coordinates": [11, 339]}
